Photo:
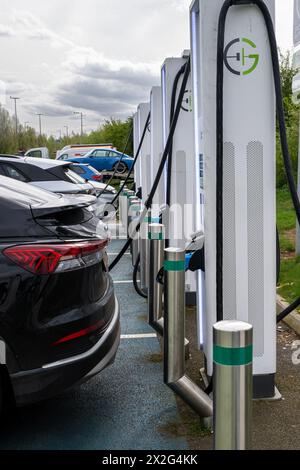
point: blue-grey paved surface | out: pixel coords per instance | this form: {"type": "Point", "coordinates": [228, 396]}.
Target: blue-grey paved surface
{"type": "Point", "coordinates": [126, 407]}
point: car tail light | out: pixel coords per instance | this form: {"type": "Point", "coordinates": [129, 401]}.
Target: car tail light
{"type": "Point", "coordinates": [97, 177]}
{"type": "Point", "coordinates": [56, 258]}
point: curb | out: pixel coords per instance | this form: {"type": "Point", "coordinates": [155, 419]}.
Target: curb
{"type": "Point", "coordinates": [292, 320]}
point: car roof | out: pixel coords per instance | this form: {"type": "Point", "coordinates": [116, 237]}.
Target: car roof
{"type": "Point", "coordinates": [45, 163]}
{"type": "Point", "coordinates": [11, 157]}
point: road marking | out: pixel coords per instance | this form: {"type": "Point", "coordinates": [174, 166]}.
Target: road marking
{"type": "Point", "coordinates": [125, 282]}
{"type": "Point", "coordinates": [142, 336]}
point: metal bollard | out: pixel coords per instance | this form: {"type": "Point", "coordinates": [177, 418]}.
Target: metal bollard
{"type": "Point", "coordinates": [233, 356]}
{"type": "Point", "coordinates": [123, 205]}
{"type": "Point", "coordinates": [128, 194]}
{"type": "Point", "coordinates": [144, 250]}
{"type": "Point", "coordinates": [143, 254]}
{"type": "Point", "coordinates": [174, 335]}
{"type": "Point", "coordinates": [134, 216]}
{"type": "Point", "coordinates": [155, 291]}
{"type": "Point", "coordinates": [131, 201]}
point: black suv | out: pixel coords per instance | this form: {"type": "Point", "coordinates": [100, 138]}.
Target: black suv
{"type": "Point", "coordinates": [59, 317]}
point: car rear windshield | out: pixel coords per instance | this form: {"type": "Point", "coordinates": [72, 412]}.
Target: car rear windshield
{"type": "Point", "coordinates": [65, 173]}
{"type": "Point", "coordinates": [96, 172]}
{"type": "Point", "coordinates": [78, 169]}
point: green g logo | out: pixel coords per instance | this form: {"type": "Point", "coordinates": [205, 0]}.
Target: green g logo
{"type": "Point", "coordinates": [238, 57]}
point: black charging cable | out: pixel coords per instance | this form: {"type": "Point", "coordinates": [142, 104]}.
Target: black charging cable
{"type": "Point", "coordinates": [130, 135]}
{"type": "Point", "coordinates": [134, 161]}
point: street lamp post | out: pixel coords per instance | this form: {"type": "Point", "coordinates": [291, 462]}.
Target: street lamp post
{"type": "Point", "coordinates": [14, 98]}
{"type": "Point", "coordinates": [67, 130]}
{"type": "Point", "coordinates": [81, 121]}
{"type": "Point", "coordinates": [40, 121]}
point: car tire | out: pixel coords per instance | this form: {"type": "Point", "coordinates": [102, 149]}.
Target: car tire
{"type": "Point", "coordinates": [121, 168]}
{"type": "Point", "coordinates": [7, 401]}
{"type": "Point", "coordinates": [1, 393]}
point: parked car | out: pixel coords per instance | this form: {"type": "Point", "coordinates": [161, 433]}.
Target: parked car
{"type": "Point", "coordinates": [104, 159]}
{"type": "Point", "coordinates": [68, 172]}
{"type": "Point", "coordinates": [59, 317]}
{"type": "Point", "coordinates": [72, 151]}
{"type": "Point", "coordinates": [41, 152]}
{"type": "Point", "coordinates": [87, 172]}
{"type": "Point", "coordinates": [45, 174]}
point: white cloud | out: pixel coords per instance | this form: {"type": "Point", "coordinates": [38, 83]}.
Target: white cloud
{"type": "Point", "coordinates": [6, 31]}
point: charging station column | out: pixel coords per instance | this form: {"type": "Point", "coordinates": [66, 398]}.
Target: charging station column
{"type": "Point", "coordinates": [156, 148]}
{"type": "Point", "coordinates": [181, 221]}
{"type": "Point", "coordinates": [137, 171]}
{"type": "Point", "coordinates": [145, 169]}
{"type": "Point", "coordinates": [145, 155]}
{"type": "Point", "coordinates": [249, 225]}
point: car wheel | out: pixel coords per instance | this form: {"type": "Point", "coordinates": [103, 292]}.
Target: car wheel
{"type": "Point", "coordinates": [121, 168]}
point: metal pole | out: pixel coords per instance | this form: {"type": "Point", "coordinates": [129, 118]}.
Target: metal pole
{"type": "Point", "coordinates": [14, 98]}
{"type": "Point", "coordinates": [81, 121]}
{"type": "Point", "coordinates": [144, 252]}
{"type": "Point", "coordinates": [131, 215]}
{"type": "Point", "coordinates": [121, 206]}
{"type": "Point", "coordinates": [134, 214]}
{"type": "Point", "coordinates": [233, 377]}
{"type": "Point", "coordinates": [174, 335]}
{"type": "Point", "coordinates": [130, 194]}
{"type": "Point", "coordinates": [40, 122]}
{"type": "Point", "coordinates": [16, 116]}
{"type": "Point", "coordinates": [155, 291]}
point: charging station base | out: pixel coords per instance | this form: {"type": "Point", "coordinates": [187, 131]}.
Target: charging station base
{"type": "Point", "coordinates": [190, 299]}
{"type": "Point", "coordinates": [264, 388]}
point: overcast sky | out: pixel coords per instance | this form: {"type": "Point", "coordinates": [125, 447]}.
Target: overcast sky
{"type": "Point", "coordinates": [96, 56]}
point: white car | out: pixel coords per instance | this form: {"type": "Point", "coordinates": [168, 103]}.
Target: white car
{"type": "Point", "coordinates": [40, 152]}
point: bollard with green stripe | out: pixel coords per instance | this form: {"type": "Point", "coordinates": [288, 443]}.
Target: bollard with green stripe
{"type": "Point", "coordinates": [156, 230]}
{"type": "Point", "coordinates": [232, 383]}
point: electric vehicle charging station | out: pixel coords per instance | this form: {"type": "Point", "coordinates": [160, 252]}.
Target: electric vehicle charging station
{"type": "Point", "coordinates": [181, 221]}
{"type": "Point", "coordinates": [145, 153]}
{"type": "Point", "coordinates": [137, 172]}
{"type": "Point", "coordinates": [249, 225]}
{"type": "Point", "coordinates": [156, 148]}
{"type": "Point", "coordinates": [145, 183]}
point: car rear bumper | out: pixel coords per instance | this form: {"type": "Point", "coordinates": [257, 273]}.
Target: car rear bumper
{"type": "Point", "coordinates": [39, 384]}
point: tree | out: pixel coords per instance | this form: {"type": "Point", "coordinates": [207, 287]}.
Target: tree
{"type": "Point", "coordinates": [113, 131]}
{"type": "Point", "coordinates": [291, 110]}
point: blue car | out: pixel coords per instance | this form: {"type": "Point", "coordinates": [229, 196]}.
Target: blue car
{"type": "Point", "coordinates": [87, 172]}
{"type": "Point", "coordinates": [106, 159]}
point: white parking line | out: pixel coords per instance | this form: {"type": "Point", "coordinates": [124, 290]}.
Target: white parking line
{"type": "Point", "coordinates": [125, 282]}
{"type": "Point", "coordinates": [143, 336]}
{"type": "Point", "coordinates": [116, 254]}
